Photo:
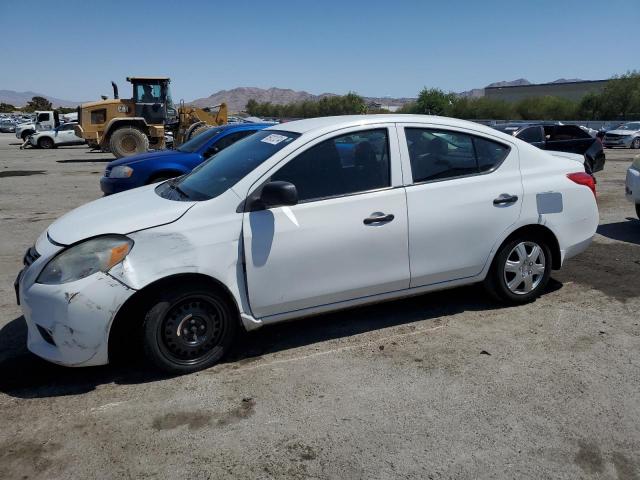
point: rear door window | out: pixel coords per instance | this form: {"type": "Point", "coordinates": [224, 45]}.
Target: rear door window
{"type": "Point", "coordinates": [441, 154]}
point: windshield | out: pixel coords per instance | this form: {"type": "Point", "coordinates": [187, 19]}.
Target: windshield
{"type": "Point", "coordinates": [226, 168]}
{"type": "Point", "coordinates": [629, 126]}
{"type": "Point", "coordinates": [197, 142]}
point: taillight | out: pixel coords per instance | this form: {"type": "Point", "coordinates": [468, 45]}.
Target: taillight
{"type": "Point", "coordinates": [583, 178]}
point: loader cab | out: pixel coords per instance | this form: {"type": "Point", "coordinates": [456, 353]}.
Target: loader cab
{"type": "Point", "coordinates": [152, 99]}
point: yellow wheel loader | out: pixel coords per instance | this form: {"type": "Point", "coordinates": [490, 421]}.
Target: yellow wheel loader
{"type": "Point", "coordinates": [131, 126]}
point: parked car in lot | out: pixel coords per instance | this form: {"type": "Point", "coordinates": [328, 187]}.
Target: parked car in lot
{"type": "Point", "coordinates": [632, 185]}
{"type": "Point", "coordinates": [278, 226]}
{"type": "Point", "coordinates": [562, 138]}
{"type": "Point", "coordinates": [7, 126]}
{"type": "Point", "coordinates": [59, 137]}
{"type": "Point", "coordinates": [152, 167]}
{"type": "Point", "coordinates": [626, 135]}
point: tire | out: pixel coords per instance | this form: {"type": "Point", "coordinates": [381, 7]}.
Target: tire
{"type": "Point", "coordinates": [46, 143]}
{"type": "Point", "coordinates": [638, 210]}
{"type": "Point", "coordinates": [188, 329]}
{"type": "Point", "coordinates": [25, 134]}
{"type": "Point", "coordinates": [636, 143]}
{"type": "Point", "coordinates": [198, 130]}
{"type": "Point", "coordinates": [127, 141]}
{"type": "Point", "coordinates": [502, 279]}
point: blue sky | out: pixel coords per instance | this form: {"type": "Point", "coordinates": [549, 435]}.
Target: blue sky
{"type": "Point", "coordinates": [71, 49]}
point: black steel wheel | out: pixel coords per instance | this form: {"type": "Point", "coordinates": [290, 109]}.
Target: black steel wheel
{"type": "Point", "coordinates": [188, 329]}
{"type": "Point", "coordinates": [46, 143]}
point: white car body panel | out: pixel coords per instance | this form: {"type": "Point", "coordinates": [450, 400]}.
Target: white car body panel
{"type": "Point", "coordinates": [126, 212]}
{"type": "Point", "coordinates": [320, 257]}
{"type": "Point", "coordinates": [632, 182]}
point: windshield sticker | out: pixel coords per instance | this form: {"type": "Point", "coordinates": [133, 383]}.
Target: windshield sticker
{"type": "Point", "coordinates": [274, 139]}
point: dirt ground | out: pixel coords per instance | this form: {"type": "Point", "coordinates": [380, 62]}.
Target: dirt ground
{"type": "Point", "coordinates": [446, 385]}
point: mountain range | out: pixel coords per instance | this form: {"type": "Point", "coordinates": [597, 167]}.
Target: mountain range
{"type": "Point", "coordinates": [20, 99]}
{"type": "Point", "coordinates": [237, 98]}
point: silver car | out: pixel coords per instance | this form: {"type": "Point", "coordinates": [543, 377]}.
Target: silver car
{"type": "Point", "coordinates": [7, 126]}
{"type": "Point", "coordinates": [626, 135]}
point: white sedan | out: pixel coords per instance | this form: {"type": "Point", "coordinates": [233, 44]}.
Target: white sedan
{"type": "Point", "coordinates": [299, 219]}
{"type": "Point", "coordinates": [61, 136]}
{"type": "Point", "coordinates": [632, 186]}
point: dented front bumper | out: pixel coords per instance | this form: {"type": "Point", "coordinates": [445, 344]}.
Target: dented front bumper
{"type": "Point", "coordinates": [69, 324]}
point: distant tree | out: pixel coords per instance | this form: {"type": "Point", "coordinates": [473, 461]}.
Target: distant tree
{"type": "Point", "coordinates": [350, 103]}
{"type": "Point", "coordinates": [7, 107]}
{"type": "Point", "coordinates": [251, 107]}
{"type": "Point", "coordinates": [38, 103]}
{"type": "Point", "coordinates": [63, 110]}
{"type": "Point", "coordinates": [433, 101]}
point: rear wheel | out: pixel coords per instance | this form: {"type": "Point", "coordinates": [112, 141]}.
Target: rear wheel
{"type": "Point", "coordinates": [188, 329]}
{"type": "Point", "coordinates": [520, 270]}
{"type": "Point", "coordinates": [127, 141]}
{"type": "Point", "coordinates": [45, 142]}
{"type": "Point", "coordinates": [638, 210]}
{"type": "Point", "coordinates": [636, 143]}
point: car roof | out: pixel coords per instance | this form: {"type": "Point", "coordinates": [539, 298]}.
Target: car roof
{"type": "Point", "coordinates": [233, 126]}
{"type": "Point", "coordinates": [345, 121]}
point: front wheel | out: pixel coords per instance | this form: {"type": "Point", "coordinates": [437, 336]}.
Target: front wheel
{"type": "Point", "coordinates": [188, 329]}
{"type": "Point", "coordinates": [520, 270]}
{"type": "Point", "coordinates": [636, 143]}
{"type": "Point", "coordinates": [638, 210]}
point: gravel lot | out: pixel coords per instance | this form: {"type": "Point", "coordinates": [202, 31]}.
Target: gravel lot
{"type": "Point", "coordinates": [446, 385]}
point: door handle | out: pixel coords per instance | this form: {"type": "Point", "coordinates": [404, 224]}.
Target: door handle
{"type": "Point", "coordinates": [505, 199]}
{"type": "Point", "coordinates": [378, 217]}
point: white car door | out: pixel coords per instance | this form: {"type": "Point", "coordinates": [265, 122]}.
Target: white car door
{"type": "Point", "coordinates": [347, 236]}
{"type": "Point", "coordinates": [463, 190]}
{"type": "Point", "coordinates": [66, 134]}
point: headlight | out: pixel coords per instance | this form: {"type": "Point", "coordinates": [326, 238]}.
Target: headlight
{"type": "Point", "coordinates": [99, 254]}
{"type": "Point", "coordinates": [121, 171]}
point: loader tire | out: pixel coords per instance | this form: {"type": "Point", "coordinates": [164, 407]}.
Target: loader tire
{"type": "Point", "coordinates": [198, 130]}
{"type": "Point", "coordinates": [127, 141]}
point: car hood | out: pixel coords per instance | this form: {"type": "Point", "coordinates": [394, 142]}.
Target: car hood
{"type": "Point", "coordinates": [571, 156]}
{"type": "Point", "coordinates": [159, 155]}
{"type": "Point", "coordinates": [622, 132]}
{"type": "Point", "coordinates": [121, 213]}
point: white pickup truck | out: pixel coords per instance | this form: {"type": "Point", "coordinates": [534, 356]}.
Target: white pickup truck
{"type": "Point", "coordinates": [44, 120]}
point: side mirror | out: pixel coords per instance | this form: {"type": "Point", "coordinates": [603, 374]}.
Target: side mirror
{"type": "Point", "coordinates": [277, 194]}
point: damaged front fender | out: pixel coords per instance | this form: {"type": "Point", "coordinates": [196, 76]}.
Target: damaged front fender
{"type": "Point", "coordinates": [69, 324]}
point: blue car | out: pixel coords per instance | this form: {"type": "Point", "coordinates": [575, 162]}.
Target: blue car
{"type": "Point", "coordinates": [138, 170]}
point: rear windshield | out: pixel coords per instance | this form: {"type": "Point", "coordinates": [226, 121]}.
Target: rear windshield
{"type": "Point", "coordinates": [226, 168]}
{"type": "Point", "coordinates": [197, 142]}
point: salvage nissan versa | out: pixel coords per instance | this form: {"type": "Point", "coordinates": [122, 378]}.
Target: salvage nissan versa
{"type": "Point", "coordinates": [298, 219]}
